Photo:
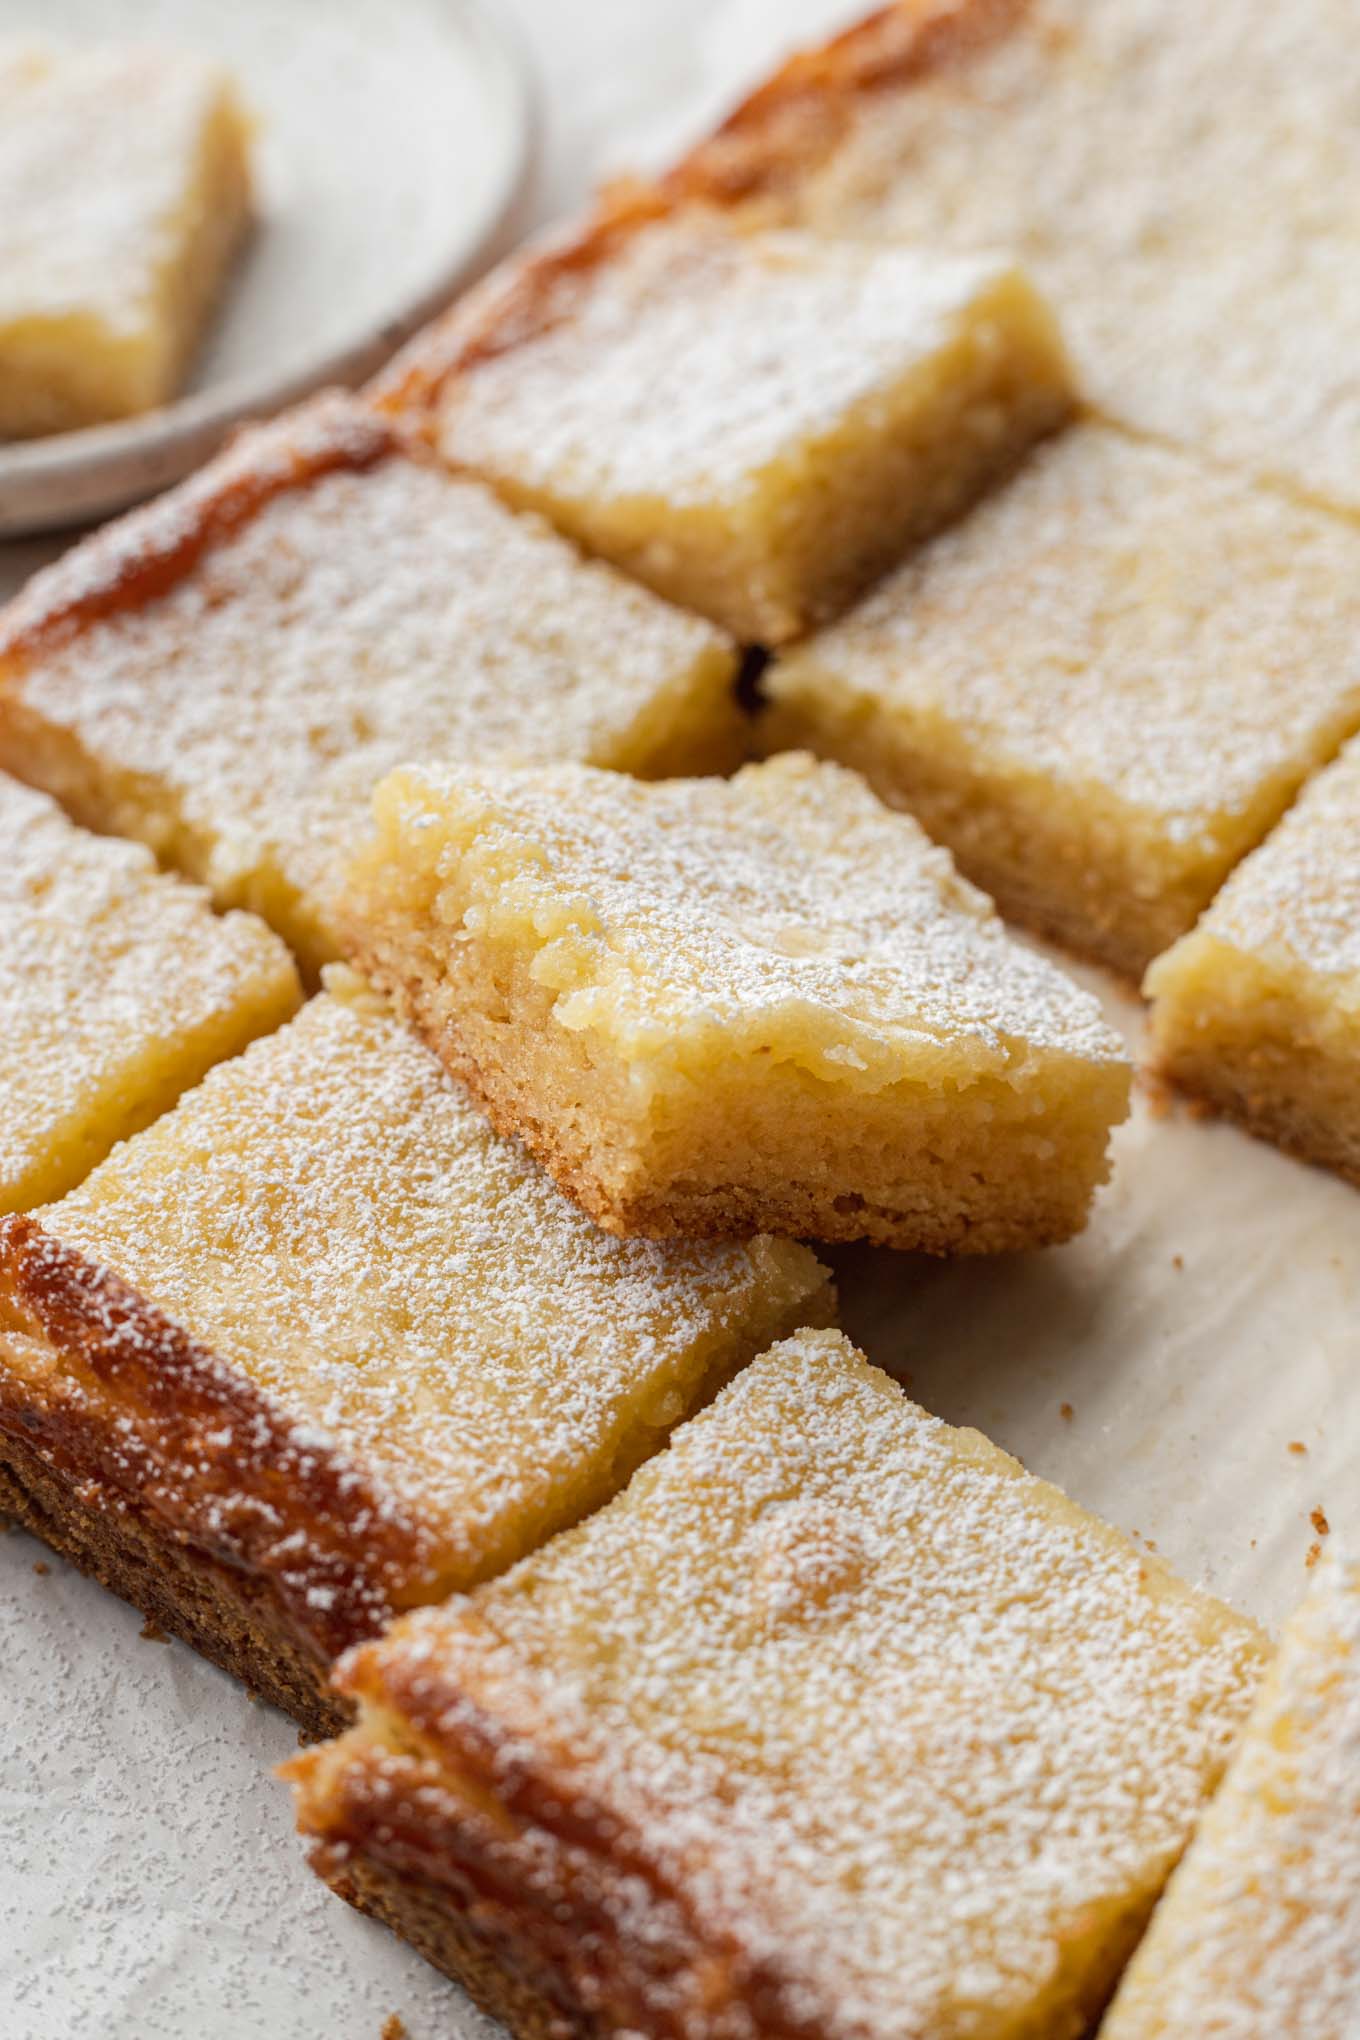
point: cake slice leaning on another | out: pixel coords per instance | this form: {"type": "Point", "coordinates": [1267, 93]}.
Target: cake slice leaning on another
{"type": "Point", "coordinates": [722, 1006]}
{"type": "Point", "coordinates": [835, 1725]}
{"type": "Point", "coordinates": [318, 1346]}
{"type": "Point", "coordinates": [1258, 1937]}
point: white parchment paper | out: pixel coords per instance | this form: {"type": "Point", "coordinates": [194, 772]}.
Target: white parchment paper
{"type": "Point", "coordinates": [1160, 1368]}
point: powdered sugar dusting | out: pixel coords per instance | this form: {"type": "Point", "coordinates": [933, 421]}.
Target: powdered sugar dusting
{"type": "Point", "coordinates": [113, 980]}
{"type": "Point", "coordinates": [1299, 895]}
{"type": "Point", "coordinates": [1125, 621]}
{"type": "Point", "coordinates": [891, 1717]}
{"type": "Point", "coordinates": [329, 1215]}
{"type": "Point", "coordinates": [242, 719]}
{"type": "Point", "coordinates": [91, 200]}
{"type": "Point", "coordinates": [1179, 179]}
{"type": "Point", "coordinates": [789, 891]}
{"type": "Point", "coordinates": [1260, 1931]}
{"type": "Point", "coordinates": [693, 360]}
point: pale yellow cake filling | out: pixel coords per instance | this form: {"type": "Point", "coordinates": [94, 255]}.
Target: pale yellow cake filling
{"type": "Point", "coordinates": [119, 988]}
{"type": "Point", "coordinates": [756, 426]}
{"type": "Point", "coordinates": [125, 189]}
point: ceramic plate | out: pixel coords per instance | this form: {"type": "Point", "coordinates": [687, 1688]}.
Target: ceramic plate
{"type": "Point", "coordinates": [392, 142]}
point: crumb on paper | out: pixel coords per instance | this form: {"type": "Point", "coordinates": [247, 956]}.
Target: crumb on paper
{"type": "Point", "coordinates": [1297, 1447]}
{"type": "Point", "coordinates": [151, 1631]}
{"type": "Point", "coordinates": [1066, 1412]}
{"type": "Point", "coordinates": [393, 2027]}
{"type": "Point", "coordinates": [1178, 1261]}
{"type": "Point", "coordinates": [41, 1567]}
{"type": "Point", "coordinates": [1312, 1555]}
{"type": "Point", "coordinates": [1318, 1519]}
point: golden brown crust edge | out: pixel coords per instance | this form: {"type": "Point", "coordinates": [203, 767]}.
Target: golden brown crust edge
{"type": "Point", "coordinates": [484, 1841]}
{"type": "Point", "coordinates": [776, 137]}
{"type": "Point", "coordinates": [126, 1408]}
{"type": "Point", "coordinates": [140, 556]}
{"type": "Point", "coordinates": [224, 1615]}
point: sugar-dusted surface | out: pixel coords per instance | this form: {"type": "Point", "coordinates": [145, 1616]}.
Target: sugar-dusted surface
{"type": "Point", "coordinates": [913, 1739]}
{"type": "Point", "coordinates": [1111, 144]}
{"type": "Point", "coordinates": [240, 718]}
{"type": "Point", "coordinates": [1123, 620]}
{"type": "Point", "coordinates": [1259, 1934]}
{"type": "Point", "coordinates": [1296, 900]}
{"type": "Point", "coordinates": [330, 1217]}
{"type": "Point", "coordinates": [692, 361]}
{"type": "Point", "coordinates": [90, 199]}
{"type": "Point", "coordinates": [784, 902]}
{"type": "Point", "coordinates": [118, 988]}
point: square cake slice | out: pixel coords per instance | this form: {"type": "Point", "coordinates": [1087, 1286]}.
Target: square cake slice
{"type": "Point", "coordinates": [228, 673]}
{"type": "Point", "coordinates": [1257, 1010]}
{"type": "Point", "coordinates": [1178, 179]}
{"type": "Point", "coordinates": [318, 1345]}
{"type": "Point", "coordinates": [125, 191]}
{"type": "Point", "coordinates": [1100, 690]}
{"type": "Point", "coordinates": [719, 1006]}
{"type": "Point", "coordinates": [119, 988]}
{"type": "Point", "coordinates": [755, 426]}
{"type": "Point", "coordinates": [1258, 1936]}
{"type": "Point", "coordinates": [835, 1725]}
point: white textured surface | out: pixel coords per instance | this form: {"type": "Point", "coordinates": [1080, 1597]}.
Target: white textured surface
{"type": "Point", "coordinates": [150, 1885]}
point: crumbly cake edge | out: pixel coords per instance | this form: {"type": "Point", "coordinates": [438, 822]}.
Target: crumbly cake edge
{"type": "Point", "coordinates": [780, 131]}
{"type": "Point", "coordinates": [209, 1462]}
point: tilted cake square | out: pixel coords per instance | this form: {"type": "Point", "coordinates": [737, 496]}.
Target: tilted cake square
{"type": "Point", "coordinates": [754, 425]}
{"type": "Point", "coordinates": [836, 1724]}
{"type": "Point", "coordinates": [125, 190]}
{"type": "Point", "coordinates": [1178, 180]}
{"type": "Point", "coordinates": [717, 1006]}
{"type": "Point", "coordinates": [227, 673]}
{"type": "Point", "coordinates": [119, 987]}
{"type": "Point", "coordinates": [1100, 690]}
{"type": "Point", "coordinates": [1258, 1936]}
{"type": "Point", "coordinates": [1257, 1010]}
{"type": "Point", "coordinates": [318, 1345]}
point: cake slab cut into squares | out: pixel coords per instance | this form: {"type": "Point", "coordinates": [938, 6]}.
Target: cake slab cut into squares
{"type": "Point", "coordinates": [1177, 179]}
{"type": "Point", "coordinates": [319, 1345]}
{"type": "Point", "coordinates": [228, 673]}
{"type": "Point", "coordinates": [836, 1724]}
{"type": "Point", "coordinates": [119, 988]}
{"type": "Point", "coordinates": [125, 191]}
{"type": "Point", "coordinates": [1258, 1935]}
{"type": "Point", "coordinates": [1101, 689]}
{"type": "Point", "coordinates": [755, 425]}
{"type": "Point", "coordinates": [1257, 1009]}
{"type": "Point", "coordinates": [715, 1006]}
